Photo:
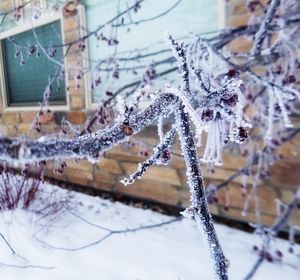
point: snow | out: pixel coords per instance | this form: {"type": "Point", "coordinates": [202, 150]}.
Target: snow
{"type": "Point", "coordinates": [175, 251]}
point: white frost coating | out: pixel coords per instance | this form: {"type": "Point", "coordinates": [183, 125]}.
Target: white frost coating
{"type": "Point", "coordinates": [188, 109]}
{"type": "Point", "coordinates": [161, 156]}
{"type": "Point", "coordinates": [160, 128]}
{"type": "Point", "coordinates": [215, 139]}
{"type": "Point", "coordinates": [270, 116]}
{"type": "Point", "coordinates": [284, 113]}
{"type": "Point", "coordinates": [120, 107]}
{"type": "Point", "coordinates": [199, 205]}
{"type": "Point", "coordinates": [188, 213]}
{"type": "Point", "coordinates": [218, 109]}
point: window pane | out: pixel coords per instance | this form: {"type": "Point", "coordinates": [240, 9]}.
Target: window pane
{"type": "Point", "coordinates": [197, 16]}
{"type": "Point", "coordinates": [25, 84]}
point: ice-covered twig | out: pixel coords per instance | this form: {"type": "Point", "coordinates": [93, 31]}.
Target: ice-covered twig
{"type": "Point", "coordinates": [264, 27]}
{"type": "Point", "coordinates": [160, 153]}
{"type": "Point", "coordinates": [110, 233]}
{"type": "Point", "coordinates": [179, 53]}
{"type": "Point", "coordinates": [90, 145]}
{"type": "Point", "coordinates": [270, 233]}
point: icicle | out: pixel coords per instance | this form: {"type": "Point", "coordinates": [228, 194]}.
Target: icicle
{"type": "Point", "coordinates": [284, 113]}
{"type": "Point", "coordinates": [160, 130]}
{"type": "Point", "coordinates": [270, 116]}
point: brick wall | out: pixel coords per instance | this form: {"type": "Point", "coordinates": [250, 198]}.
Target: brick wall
{"type": "Point", "coordinates": [167, 184]}
{"type": "Point", "coordinates": [20, 122]}
{"type": "Point", "coordinates": [164, 184]}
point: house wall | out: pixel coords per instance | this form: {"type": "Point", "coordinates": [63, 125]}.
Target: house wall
{"type": "Point", "coordinates": [165, 184]}
{"type": "Point", "coordinates": [189, 16]}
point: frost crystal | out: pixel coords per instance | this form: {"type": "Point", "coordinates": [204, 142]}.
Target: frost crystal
{"type": "Point", "coordinates": [214, 102]}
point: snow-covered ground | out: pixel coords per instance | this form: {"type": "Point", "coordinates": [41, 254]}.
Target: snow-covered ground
{"type": "Point", "coordinates": [172, 252]}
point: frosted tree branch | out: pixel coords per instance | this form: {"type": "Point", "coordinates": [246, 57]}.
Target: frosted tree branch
{"type": "Point", "coordinates": [160, 155]}
{"type": "Point", "coordinates": [91, 145]}
{"type": "Point", "coordinates": [270, 233]}
{"type": "Point", "coordinates": [199, 207]}
{"type": "Point", "coordinates": [264, 27]}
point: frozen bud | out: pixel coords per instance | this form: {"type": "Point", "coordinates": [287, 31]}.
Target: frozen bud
{"type": "Point", "coordinates": [291, 250]}
{"type": "Point", "coordinates": [232, 73]}
{"type": "Point", "coordinates": [239, 135]}
{"type": "Point", "coordinates": [242, 134]}
{"type": "Point", "coordinates": [146, 153]}
{"type": "Point", "coordinates": [165, 156]}
{"type": "Point", "coordinates": [207, 115]}
{"type": "Point", "coordinates": [230, 100]}
{"type": "Point", "coordinates": [127, 129]}
{"type": "Point", "coordinates": [31, 50]}
{"type": "Point", "coordinates": [98, 81]}
{"type": "Point", "coordinates": [277, 108]}
{"type": "Point", "coordinates": [268, 257]}
{"type": "Point", "coordinates": [275, 142]}
{"type": "Point", "coordinates": [17, 54]}
{"type": "Point", "coordinates": [116, 74]}
{"type": "Point", "coordinates": [290, 79]}
{"type": "Point", "coordinates": [52, 52]}
{"type": "Point", "coordinates": [262, 175]}
{"type": "Point", "coordinates": [42, 162]}
{"type": "Point", "coordinates": [109, 93]}
{"type": "Point", "coordinates": [278, 254]}
{"type": "Point", "coordinates": [252, 5]}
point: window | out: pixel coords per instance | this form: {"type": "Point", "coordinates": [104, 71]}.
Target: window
{"type": "Point", "coordinates": [148, 37]}
{"type": "Point", "coordinates": [25, 77]}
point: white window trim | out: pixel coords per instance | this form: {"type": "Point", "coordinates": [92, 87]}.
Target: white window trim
{"type": "Point", "coordinates": [51, 17]}
{"type": "Point", "coordinates": [222, 13]}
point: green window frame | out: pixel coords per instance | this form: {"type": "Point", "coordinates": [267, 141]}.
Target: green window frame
{"type": "Point", "coordinates": [24, 85]}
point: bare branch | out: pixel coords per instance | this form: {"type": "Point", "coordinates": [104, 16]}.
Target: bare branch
{"type": "Point", "coordinates": [272, 231]}
{"type": "Point", "coordinates": [91, 145]}
{"type": "Point", "coordinates": [158, 153]}
{"type": "Point", "coordinates": [110, 233]}
{"type": "Point", "coordinates": [264, 27]}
